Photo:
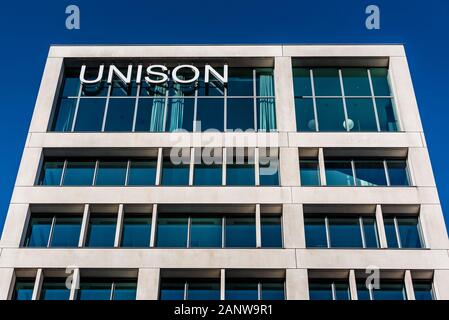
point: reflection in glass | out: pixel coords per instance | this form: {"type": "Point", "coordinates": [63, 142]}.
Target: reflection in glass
{"type": "Point", "coordinates": [172, 232]}
{"type": "Point", "coordinates": [240, 232]}
{"type": "Point", "coordinates": [331, 116]}
{"type": "Point", "coordinates": [120, 115]}
{"type": "Point", "coordinates": [136, 231]}
{"type": "Point", "coordinates": [101, 231]}
{"type": "Point", "coordinates": [51, 173]}
{"type": "Point", "coordinates": [79, 173]}
{"type": "Point", "coordinates": [90, 115]}
{"type": "Point", "coordinates": [370, 173]}
{"type": "Point", "coordinates": [111, 173]}
{"type": "Point", "coordinates": [206, 232]}
{"type": "Point", "coordinates": [339, 173]}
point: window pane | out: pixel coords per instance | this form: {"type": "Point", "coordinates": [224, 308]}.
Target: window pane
{"type": "Point", "coordinates": [310, 173]}
{"type": "Point", "coordinates": [273, 290]}
{"type": "Point", "coordinates": [379, 76]}
{"type": "Point", "coordinates": [120, 115]}
{"type": "Point", "coordinates": [206, 232]}
{"type": "Point", "coordinates": [370, 173]}
{"type": "Point", "coordinates": [203, 290]}
{"type": "Point", "coordinates": [111, 173]}
{"type": "Point", "coordinates": [54, 289]}
{"type": "Point", "coordinates": [101, 231]}
{"type": "Point", "coordinates": [39, 232]}
{"type": "Point", "coordinates": [387, 115]}
{"type": "Point", "coordinates": [66, 232]}
{"type": "Point", "coordinates": [301, 82]}
{"type": "Point", "coordinates": [240, 114]}
{"type": "Point", "coordinates": [370, 232]}
{"type": "Point", "coordinates": [51, 173]}
{"type": "Point", "coordinates": [361, 116]}
{"type": "Point", "coordinates": [172, 289]}
{"type": "Point", "coordinates": [95, 90]}
{"type": "Point", "coordinates": [266, 112]}
{"type": "Point", "coordinates": [213, 88]}
{"type": "Point", "coordinates": [389, 291]}
{"type": "Point", "coordinates": [339, 173]}
{"type": "Point", "coordinates": [175, 174]}
{"type": "Point", "coordinates": [180, 114]}
{"type": "Point", "coordinates": [409, 233]}
{"type": "Point", "coordinates": [320, 291]}
{"type": "Point", "coordinates": [240, 232]}
{"type": "Point", "coordinates": [342, 291]}
{"type": "Point", "coordinates": [210, 114]}
{"type": "Point", "coordinates": [125, 290]}
{"type": "Point", "coordinates": [305, 115]}
{"type": "Point", "coordinates": [345, 233]}
{"type": "Point", "coordinates": [171, 232]}
{"type": "Point", "coordinates": [79, 173]}
{"type": "Point", "coordinates": [150, 115]}
{"type": "Point", "coordinates": [95, 291]}
{"type": "Point", "coordinates": [397, 172]}
{"type": "Point", "coordinates": [23, 289]}
{"type": "Point", "coordinates": [71, 85]}
{"type": "Point", "coordinates": [356, 82]}
{"type": "Point", "coordinates": [331, 115]}
{"type": "Point", "coordinates": [271, 231]}
{"type": "Point", "coordinates": [240, 82]}
{"type": "Point", "coordinates": [269, 172]}
{"type": "Point", "coordinates": [315, 229]}
{"type": "Point", "coordinates": [240, 174]}
{"type": "Point", "coordinates": [390, 232]}
{"type": "Point", "coordinates": [423, 290]}
{"type": "Point", "coordinates": [362, 292]}
{"type": "Point", "coordinates": [136, 231]}
{"type": "Point", "coordinates": [90, 115]}
{"type": "Point", "coordinates": [152, 90]}
{"type": "Point", "coordinates": [327, 82]}
{"type": "Point", "coordinates": [142, 173]}
{"type": "Point", "coordinates": [64, 115]}
{"type": "Point", "coordinates": [241, 290]}
{"type": "Point", "coordinates": [120, 89]}
{"type": "Point", "coordinates": [207, 175]}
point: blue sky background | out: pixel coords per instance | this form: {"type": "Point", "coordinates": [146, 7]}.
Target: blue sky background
{"type": "Point", "coordinates": [27, 28]}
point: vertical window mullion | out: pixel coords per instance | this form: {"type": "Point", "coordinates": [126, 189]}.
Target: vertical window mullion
{"type": "Point", "coordinates": [223, 231]}
{"type": "Point", "coordinates": [254, 98]}
{"type": "Point", "coordinates": [373, 97]}
{"type": "Point", "coordinates": [189, 225]}
{"type": "Point", "coordinates": [334, 294]}
{"type": "Point", "coordinates": [186, 288]}
{"type": "Point", "coordinates": [94, 180]}
{"type": "Point", "coordinates": [106, 107]}
{"type": "Point", "coordinates": [164, 125]}
{"type": "Point", "coordinates": [136, 106]}
{"type": "Point", "coordinates": [362, 232]}
{"type": "Point", "coordinates": [111, 296]}
{"type": "Point", "coordinates": [128, 166]}
{"type": "Point", "coordinates": [195, 111]}
{"type": "Point", "coordinates": [386, 172]}
{"type": "Point", "coordinates": [344, 99]}
{"type": "Point", "coordinates": [52, 228]}
{"type": "Point", "coordinates": [64, 167]}
{"type": "Point", "coordinates": [328, 238]}
{"type": "Point", "coordinates": [259, 291]}
{"type": "Point", "coordinates": [398, 235]}
{"type": "Point", "coordinates": [315, 112]}
{"type": "Point", "coordinates": [354, 175]}
{"type": "Point", "coordinates": [75, 114]}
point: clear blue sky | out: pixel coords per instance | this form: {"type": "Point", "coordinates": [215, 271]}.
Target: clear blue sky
{"type": "Point", "coordinates": [27, 28]}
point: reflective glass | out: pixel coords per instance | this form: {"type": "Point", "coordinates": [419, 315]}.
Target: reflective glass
{"type": "Point", "coordinates": [272, 290]}
{"type": "Point", "coordinates": [409, 232]}
{"type": "Point", "coordinates": [387, 116]}
{"type": "Point", "coordinates": [240, 174]}
{"type": "Point", "coordinates": [240, 232]}
{"type": "Point", "coordinates": [95, 90]}
{"type": "Point", "coordinates": [361, 116]}
{"type": "Point", "coordinates": [101, 231]}
{"type": "Point", "coordinates": [301, 82]}
{"type": "Point", "coordinates": [51, 173]}
{"type": "Point", "coordinates": [305, 115]}
{"type": "Point", "coordinates": [180, 114]}
{"type": "Point", "coordinates": [423, 290]}
{"type": "Point", "coordinates": [71, 84]}
{"type": "Point", "coordinates": [152, 90]}
{"type": "Point", "coordinates": [310, 173]}
{"type": "Point", "coordinates": [54, 289]}
{"type": "Point", "coordinates": [206, 232]}
{"type": "Point", "coordinates": [172, 289]}
{"type": "Point", "coordinates": [271, 231]}
{"type": "Point", "coordinates": [79, 173]}
{"type": "Point", "coordinates": [120, 115]}
{"type": "Point", "coordinates": [339, 173]}
{"type": "Point", "coordinates": [95, 290]}
{"type": "Point", "coordinates": [356, 82]}
{"type": "Point", "coordinates": [203, 290]}
{"type": "Point", "coordinates": [327, 82]}
{"type": "Point", "coordinates": [207, 175]}
{"type": "Point", "coordinates": [23, 289]}
{"type": "Point", "coordinates": [315, 229]}
{"type": "Point", "coordinates": [269, 173]}
{"type": "Point", "coordinates": [397, 172]}
{"type": "Point", "coordinates": [142, 173]}
{"type": "Point", "coordinates": [320, 291]}
{"type": "Point", "coordinates": [90, 115]}
{"type": "Point", "coordinates": [172, 232]}
{"type": "Point", "coordinates": [213, 88]}
{"type": "Point", "coordinates": [121, 89]}
{"type": "Point", "coordinates": [111, 173]}
{"type": "Point", "coordinates": [362, 291]}
{"type": "Point", "coordinates": [264, 82]}
{"type": "Point", "coordinates": [136, 231]}
{"type": "Point", "coordinates": [65, 112]}
{"type": "Point", "coordinates": [370, 173]}
{"type": "Point", "coordinates": [150, 115]}
{"type": "Point", "coordinates": [389, 291]}
{"type": "Point", "coordinates": [66, 231]}
{"type": "Point", "coordinates": [210, 114]}
{"type": "Point", "coordinates": [331, 116]}
{"type": "Point", "coordinates": [370, 232]}
{"type": "Point", "coordinates": [379, 77]}
{"type": "Point", "coordinates": [240, 82]}
{"type": "Point", "coordinates": [240, 114]}
{"type": "Point", "coordinates": [345, 233]}
{"type": "Point", "coordinates": [39, 232]}
{"type": "Point", "coordinates": [175, 174]}
{"type": "Point", "coordinates": [342, 291]}
{"type": "Point", "coordinates": [390, 232]}
{"type": "Point", "coordinates": [125, 290]}
{"type": "Point", "coordinates": [241, 290]}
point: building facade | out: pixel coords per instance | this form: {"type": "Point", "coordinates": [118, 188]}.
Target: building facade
{"type": "Point", "coordinates": [225, 172]}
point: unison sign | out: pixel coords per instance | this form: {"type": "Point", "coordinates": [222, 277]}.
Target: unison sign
{"type": "Point", "coordinates": [156, 74]}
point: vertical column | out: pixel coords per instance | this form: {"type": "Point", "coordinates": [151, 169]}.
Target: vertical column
{"type": "Point", "coordinates": [84, 226]}
{"type": "Point", "coordinates": [222, 284]}
{"type": "Point", "coordinates": [322, 167]}
{"type": "Point", "coordinates": [224, 167]}
{"type": "Point", "coordinates": [7, 280]}
{"type": "Point", "coordinates": [119, 227]}
{"type": "Point", "coordinates": [293, 226]}
{"type": "Point", "coordinates": [258, 227]}
{"type": "Point", "coordinates": [148, 284]}
{"type": "Point", "coordinates": [153, 226]}
{"type": "Point", "coordinates": [16, 222]}
{"type": "Point", "coordinates": [410, 292]}
{"type": "Point", "coordinates": [256, 166]}
{"type": "Point", "coordinates": [192, 165]}
{"type": "Point", "coordinates": [352, 285]}
{"type": "Point", "coordinates": [285, 101]}
{"type": "Point", "coordinates": [381, 227]}
{"type": "Point", "coordinates": [289, 167]}
{"type": "Point", "coordinates": [440, 284]}
{"type": "Point", "coordinates": [38, 284]}
{"type": "Point", "coordinates": [160, 158]}
{"type": "Point", "coordinates": [297, 284]}
{"type": "Point", "coordinates": [75, 284]}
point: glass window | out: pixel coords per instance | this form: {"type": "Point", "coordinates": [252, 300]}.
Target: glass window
{"type": "Point", "coordinates": [95, 90]}
{"type": "Point", "coordinates": [210, 114]}
{"type": "Point", "coordinates": [315, 229]}
{"type": "Point", "coordinates": [301, 82]}
{"type": "Point", "coordinates": [370, 173]}
{"type": "Point", "coordinates": [390, 231]}
{"type": "Point", "coordinates": [120, 115]}
{"type": "Point", "coordinates": [271, 231]}
{"type": "Point", "coordinates": [175, 174]}
{"type": "Point", "coordinates": [342, 291]}
{"type": "Point", "coordinates": [111, 173]}
{"type": "Point", "coordinates": [272, 290]}
{"type": "Point", "coordinates": [240, 174]}
{"type": "Point", "coordinates": [389, 291]}
{"type": "Point", "coordinates": [269, 172]}
{"type": "Point", "coordinates": [101, 231]}
{"type": "Point", "coordinates": [66, 231]}
{"type": "Point", "coordinates": [120, 89]}
{"type": "Point", "coordinates": [345, 233]}
{"type": "Point", "coordinates": [39, 232]}
{"type": "Point", "coordinates": [51, 173]}
{"type": "Point", "coordinates": [362, 291]}
{"type": "Point", "coordinates": [124, 290]}
{"type": "Point", "coordinates": [180, 114]}
{"type": "Point", "coordinates": [327, 82]}
{"type": "Point", "coordinates": [241, 290]}
{"type": "Point", "coordinates": [240, 114]}
{"type": "Point", "coordinates": [361, 116]}
{"type": "Point", "coordinates": [423, 290]}
{"type": "Point", "coordinates": [142, 173]}
{"type": "Point", "coordinates": [150, 115]}
{"type": "Point", "coordinates": [90, 115]}
{"type": "Point", "coordinates": [172, 289]}
{"type": "Point", "coordinates": [409, 232]}
{"type": "Point", "coordinates": [387, 116]}
{"type": "Point", "coordinates": [331, 116]}
{"type": "Point", "coordinates": [203, 290]}
{"type": "Point", "coordinates": [23, 289]}
{"type": "Point", "coordinates": [213, 88]}
{"type": "Point", "coordinates": [54, 289]}
{"type": "Point", "coordinates": [240, 232]}
{"type": "Point", "coordinates": [339, 173]}
{"type": "Point", "coordinates": [79, 173]}
{"type": "Point", "coordinates": [136, 231]}
{"type": "Point", "coordinates": [310, 173]}
{"type": "Point", "coordinates": [240, 82]}
{"type": "Point", "coordinates": [370, 233]}
{"type": "Point", "coordinates": [95, 290]}
{"type": "Point", "coordinates": [379, 77]}
{"type": "Point", "coordinates": [206, 232]}
{"type": "Point", "coordinates": [266, 114]}
{"type": "Point", "coordinates": [305, 115]}
{"type": "Point", "coordinates": [63, 117]}
{"type": "Point", "coordinates": [397, 172]}
{"type": "Point", "coordinates": [320, 291]}
{"type": "Point", "coordinates": [172, 232]}
{"type": "Point", "coordinates": [207, 174]}
{"type": "Point", "coordinates": [356, 82]}
{"type": "Point", "coordinates": [71, 84]}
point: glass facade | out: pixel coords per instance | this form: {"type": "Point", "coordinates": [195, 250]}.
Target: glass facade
{"type": "Point", "coordinates": [105, 289]}
{"type": "Point", "coordinates": [136, 231]}
{"type": "Point", "coordinates": [309, 172]}
{"type": "Point", "coordinates": [323, 289]}
{"type": "Point", "coordinates": [54, 289]}
{"type": "Point", "coordinates": [388, 290]}
{"type": "Point", "coordinates": [190, 289]}
{"type": "Point", "coordinates": [23, 289]}
{"type": "Point", "coordinates": [248, 289]}
{"type": "Point", "coordinates": [423, 290]}
{"type": "Point", "coordinates": [101, 231]}
{"type": "Point", "coordinates": [403, 232]}
{"type": "Point", "coordinates": [346, 99]}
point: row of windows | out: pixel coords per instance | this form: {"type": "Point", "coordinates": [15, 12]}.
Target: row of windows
{"type": "Point", "coordinates": [172, 231]}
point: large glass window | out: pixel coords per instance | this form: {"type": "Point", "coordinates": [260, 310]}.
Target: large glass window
{"type": "Point", "coordinates": [142, 173]}
{"type": "Point", "coordinates": [268, 170]}
{"type": "Point", "coordinates": [23, 289]}
{"type": "Point", "coordinates": [150, 115]}
{"type": "Point", "coordinates": [339, 173]}
{"type": "Point", "coordinates": [51, 173]}
{"type": "Point", "coordinates": [180, 114]}
{"type": "Point", "coordinates": [101, 231]}
{"type": "Point", "coordinates": [111, 173]}
{"type": "Point", "coordinates": [397, 173]}
{"type": "Point", "coordinates": [271, 231]}
{"type": "Point", "coordinates": [136, 231]}
{"type": "Point", "coordinates": [240, 114]}
{"type": "Point", "coordinates": [89, 117]}
{"type": "Point", "coordinates": [309, 172]}
{"type": "Point", "coordinates": [79, 173]}
{"type": "Point", "coordinates": [240, 171]}
{"type": "Point", "coordinates": [120, 115]}
{"type": "Point", "coordinates": [329, 290]}
{"type": "Point", "coordinates": [248, 289]}
{"type": "Point", "coordinates": [423, 290]}
{"type": "Point", "coordinates": [190, 289]}
{"type": "Point", "coordinates": [206, 232]}
{"type": "Point", "coordinates": [240, 231]}
{"type": "Point", "coordinates": [175, 174]}
{"type": "Point", "coordinates": [105, 289]}
{"type": "Point", "coordinates": [172, 232]}
{"type": "Point", "coordinates": [403, 232]}
{"type": "Point", "coordinates": [208, 174]}
{"type": "Point", "coordinates": [388, 290]}
{"type": "Point", "coordinates": [54, 289]}
{"type": "Point", "coordinates": [370, 173]}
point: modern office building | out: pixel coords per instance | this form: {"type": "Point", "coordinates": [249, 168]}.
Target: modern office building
{"type": "Point", "coordinates": [225, 172]}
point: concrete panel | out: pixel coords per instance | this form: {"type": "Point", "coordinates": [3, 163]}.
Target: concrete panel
{"type": "Point", "coordinates": [29, 167]}
{"type": "Point", "coordinates": [289, 167]}
{"type": "Point", "coordinates": [441, 280]}
{"type": "Point", "coordinates": [422, 169]}
{"type": "Point", "coordinates": [297, 284]}
{"type": "Point", "coordinates": [434, 228]}
{"type": "Point", "coordinates": [344, 50]}
{"type": "Point", "coordinates": [293, 226]}
{"type": "Point", "coordinates": [285, 102]}
{"type": "Point", "coordinates": [148, 284]}
{"type": "Point", "coordinates": [6, 282]}
{"type": "Point", "coordinates": [15, 224]}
